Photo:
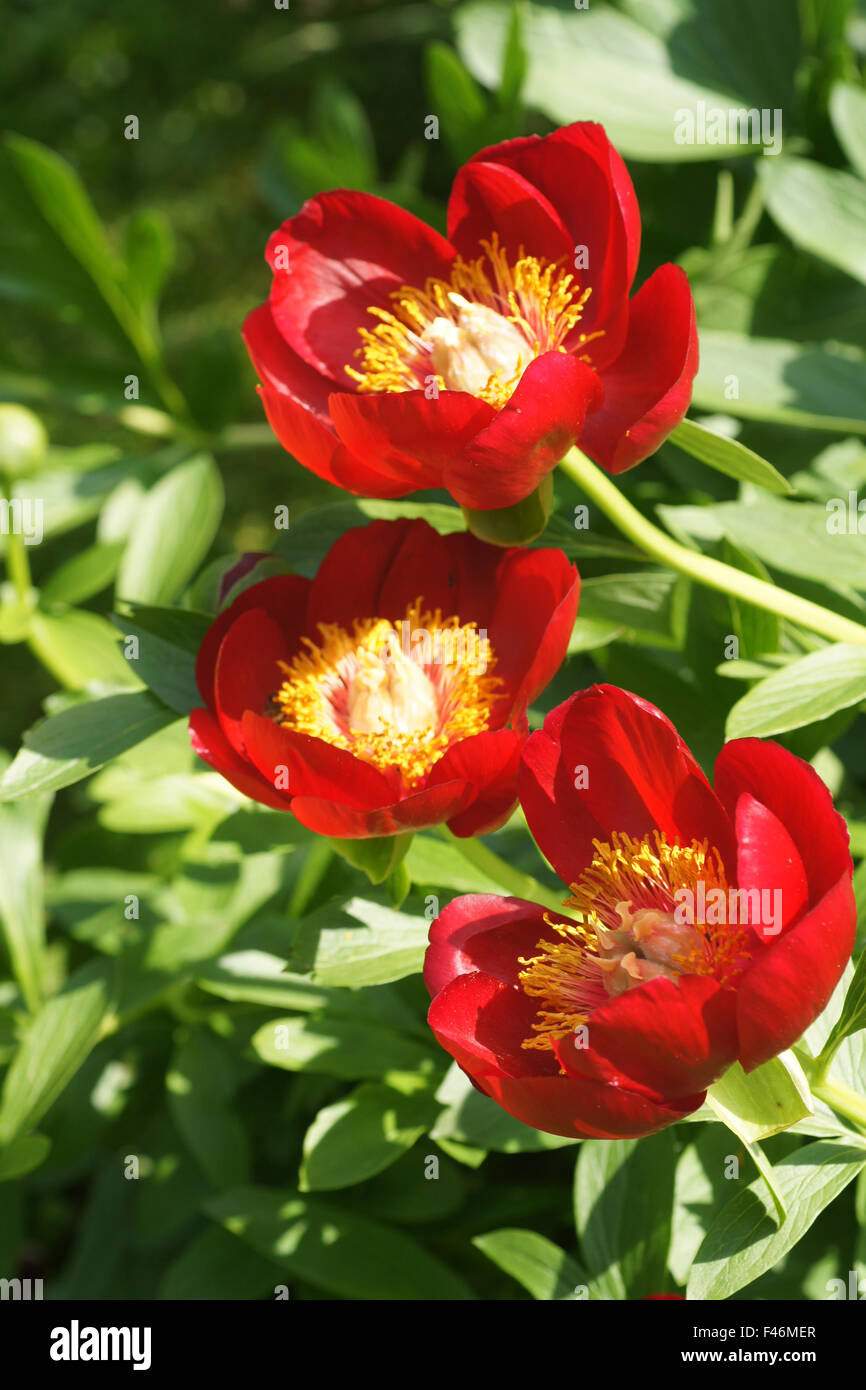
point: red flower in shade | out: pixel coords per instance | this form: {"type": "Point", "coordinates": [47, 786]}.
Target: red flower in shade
{"type": "Point", "coordinates": [389, 693]}
{"type": "Point", "coordinates": [715, 925]}
{"type": "Point", "coordinates": [392, 359]}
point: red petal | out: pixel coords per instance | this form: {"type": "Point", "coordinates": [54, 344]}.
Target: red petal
{"type": "Point", "coordinates": [487, 763]}
{"type": "Point", "coordinates": [526, 440]}
{"type": "Point", "coordinates": [488, 197]}
{"type": "Point", "coordinates": [390, 564]}
{"type": "Point", "coordinates": [768, 859]}
{"type": "Point", "coordinates": [583, 176]}
{"type": "Point", "coordinates": [283, 598]}
{"type": "Point", "coordinates": [418, 811]}
{"type": "Point", "coordinates": [482, 1023]}
{"type": "Point", "coordinates": [673, 1039]}
{"type": "Point", "coordinates": [791, 982]}
{"type": "Point", "coordinates": [795, 794]}
{"type": "Point", "coordinates": [410, 439]}
{"type": "Point", "coordinates": [317, 447]}
{"type": "Point", "coordinates": [648, 388]}
{"type": "Point", "coordinates": [346, 252]}
{"type": "Point", "coordinates": [584, 1109]}
{"type": "Point", "coordinates": [641, 777]}
{"type": "Point", "coordinates": [314, 767]}
{"type": "Point", "coordinates": [247, 671]}
{"type": "Point", "coordinates": [480, 931]}
{"type": "Point", "coordinates": [211, 744]}
{"type": "Point", "coordinates": [530, 628]}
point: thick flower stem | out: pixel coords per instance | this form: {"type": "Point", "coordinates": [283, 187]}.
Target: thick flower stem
{"type": "Point", "coordinates": [515, 883]}
{"type": "Point", "coordinates": [702, 568]}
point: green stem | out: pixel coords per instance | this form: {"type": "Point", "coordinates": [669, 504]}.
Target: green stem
{"type": "Point", "coordinates": [656, 545]}
{"type": "Point", "coordinates": [515, 883]}
{"type": "Point", "coordinates": [843, 1099]}
{"type": "Point", "coordinates": [17, 563]}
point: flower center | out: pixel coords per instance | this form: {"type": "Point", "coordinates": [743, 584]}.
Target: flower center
{"type": "Point", "coordinates": [396, 695]}
{"type": "Point", "coordinates": [648, 908]}
{"type": "Point", "coordinates": [479, 333]}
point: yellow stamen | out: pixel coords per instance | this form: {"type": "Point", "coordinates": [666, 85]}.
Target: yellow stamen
{"type": "Point", "coordinates": [395, 695]}
{"type": "Point", "coordinates": [629, 934]}
{"type": "Point", "coordinates": [536, 302]}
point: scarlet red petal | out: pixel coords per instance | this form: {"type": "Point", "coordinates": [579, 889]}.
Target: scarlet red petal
{"type": "Point", "coordinates": [345, 252]}
{"type": "Point", "coordinates": [539, 423]}
{"type": "Point", "coordinates": [417, 811]}
{"type": "Point", "coordinates": [585, 1109]}
{"type": "Point", "coordinates": [581, 174]}
{"type": "Point", "coordinates": [639, 775]}
{"type": "Point", "coordinates": [537, 597]}
{"type": "Point", "coordinates": [487, 197]}
{"type": "Point", "coordinates": [283, 599]}
{"type": "Point", "coordinates": [795, 794]}
{"type": "Point", "coordinates": [768, 860]}
{"type": "Point", "coordinates": [211, 744]}
{"type": "Point", "coordinates": [487, 763]}
{"type": "Point", "coordinates": [311, 766]}
{"type": "Point", "coordinates": [482, 932]}
{"type": "Point", "coordinates": [482, 1023]}
{"type": "Point", "coordinates": [247, 673]}
{"type": "Point", "coordinates": [390, 564]}
{"type": "Point", "coordinates": [410, 438]}
{"type": "Point", "coordinates": [792, 981]}
{"type": "Point", "coordinates": [674, 1039]}
{"type": "Point", "coordinates": [648, 388]}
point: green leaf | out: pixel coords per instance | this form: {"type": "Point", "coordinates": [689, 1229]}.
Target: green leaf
{"type": "Point", "coordinates": [199, 1099]}
{"type": "Point", "coordinates": [149, 253]}
{"type": "Point", "coordinates": [62, 1034]}
{"type": "Point", "coordinates": [756, 629]}
{"type": "Point", "coordinates": [70, 745]}
{"type": "Point", "coordinates": [807, 690]}
{"type": "Point", "coordinates": [701, 1186]}
{"type": "Point", "coordinates": [168, 640]}
{"type": "Point", "coordinates": [378, 857]}
{"type": "Point", "coordinates": [649, 605]}
{"type": "Point", "coordinates": [848, 114]}
{"type": "Point", "coordinates": [744, 1240]}
{"type": "Point", "coordinates": [79, 649]}
{"type": "Point", "coordinates": [357, 1137]}
{"type": "Point", "coordinates": [22, 914]}
{"type": "Point", "coordinates": [789, 536]}
{"type": "Point", "coordinates": [218, 1266]}
{"type": "Point", "coordinates": [636, 75]}
{"type": "Point", "coordinates": [344, 1254]}
{"type": "Point", "coordinates": [173, 534]}
{"type": "Point", "coordinates": [336, 1046]}
{"type": "Point", "coordinates": [538, 1265]}
{"type": "Point", "coordinates": [24, 1154]}
{"type": "Point", "coordinates": [853, 1016]}
{"type": "Point", "coordinates": [86, 574]}
{"type": "Point", "coordinates": [813, 385]}
{"type": "Point", "coordinates": [359, 944]}
{"type": "Point", "coordinates": [794, 188]}
{"type": "Point", "coordinates": [440, 865]}
{"type": "Point", "coordinates": [767, 1100]}
{"type": "Point", "coordinates": [728, 456]}
{"type": "Point", "coordinates": [623, 1203]}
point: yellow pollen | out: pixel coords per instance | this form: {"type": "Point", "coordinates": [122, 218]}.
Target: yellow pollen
{"type": "Point", "coordinates": [627, 899]}
{"type": "Point", "coordinates": [478, 333]}
{"type": "Point", "coordinates": [397, 695]}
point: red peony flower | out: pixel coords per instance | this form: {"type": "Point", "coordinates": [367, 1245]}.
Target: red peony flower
{"type": "Point", "coordinates": [389, 693]}
{"type": "Point", "coordinates": [715, 924]}
{"type": "Point", "coordinates": [392, 359]}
